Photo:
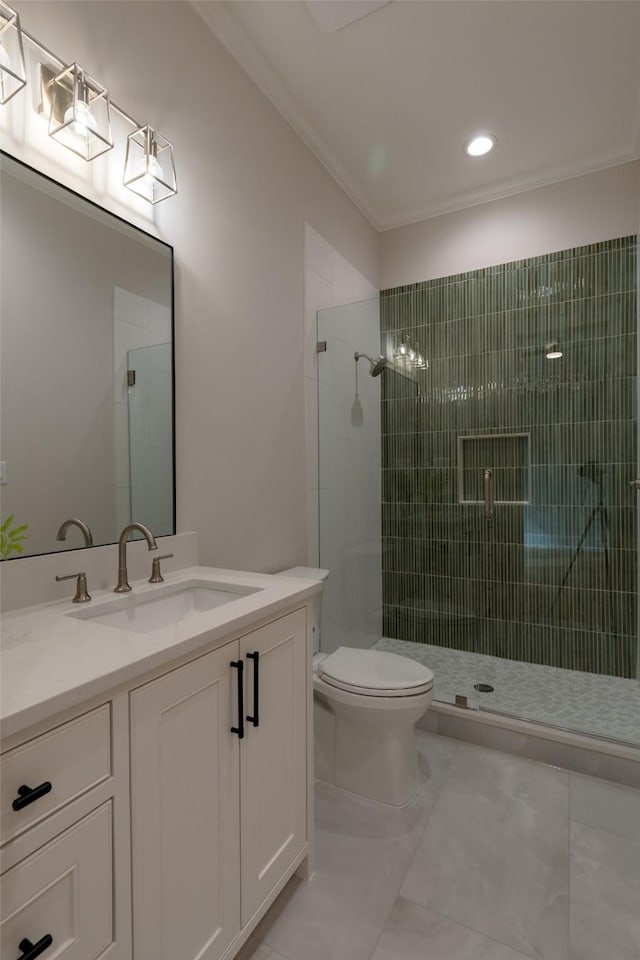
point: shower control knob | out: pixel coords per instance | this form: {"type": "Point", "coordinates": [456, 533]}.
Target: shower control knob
{"type": "Point", "coordinates": [634, 483]}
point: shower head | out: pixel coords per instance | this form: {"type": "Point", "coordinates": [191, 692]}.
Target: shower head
{"type": "Point", "coordinates": [377, 363]}
{"type": "Point", "coordinates": [377, 366]}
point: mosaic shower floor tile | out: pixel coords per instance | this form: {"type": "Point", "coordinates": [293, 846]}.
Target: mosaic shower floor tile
{"type": "Point", "coordinates": [587, 703]}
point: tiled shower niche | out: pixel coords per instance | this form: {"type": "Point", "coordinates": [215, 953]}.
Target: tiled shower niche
{"type": "Point", "coordinates": [551, 580]}
{"type": "Point", "coordinates": [507, 458]}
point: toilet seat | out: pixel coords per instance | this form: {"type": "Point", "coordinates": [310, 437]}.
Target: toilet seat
{"type": "Point", "coordinates": [375, 673]}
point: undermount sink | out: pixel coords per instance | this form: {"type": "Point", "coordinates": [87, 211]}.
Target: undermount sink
{"type": "Point", "coordinates": [164, 606]}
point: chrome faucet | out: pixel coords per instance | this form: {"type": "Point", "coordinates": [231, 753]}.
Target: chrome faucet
{"type": "Point", "coordinates": [123, 582]}
{"type": "Point", "coordinates": [74, 522]}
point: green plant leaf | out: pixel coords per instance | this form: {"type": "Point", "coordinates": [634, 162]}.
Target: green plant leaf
{"type": "Point", "coordinates": [7, 523]}
{"type": "Point", "coordinates": [10, 539]}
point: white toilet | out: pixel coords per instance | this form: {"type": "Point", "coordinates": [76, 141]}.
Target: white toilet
{"type": "Point", "coordinates": [366, 706]}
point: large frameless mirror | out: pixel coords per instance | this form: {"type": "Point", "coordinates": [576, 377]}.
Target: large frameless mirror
{"type": "Point", "coordinates": [86, 368]}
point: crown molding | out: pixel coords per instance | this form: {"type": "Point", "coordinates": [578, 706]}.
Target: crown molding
{"type": "Point", "coordinates": [242, 48]}
{"type": "Point", "coordinates": [232, 35]}
{"type": "Point", "coordinates": [636, 127]}
{"type": "Point", "coordinates": [510, 189]}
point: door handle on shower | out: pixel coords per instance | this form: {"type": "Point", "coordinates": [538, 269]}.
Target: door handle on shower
{"type": "Point", "coordinates": [488, 493]}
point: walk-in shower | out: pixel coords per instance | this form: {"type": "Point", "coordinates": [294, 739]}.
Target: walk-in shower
{"type": "Point", "coordinates": [478, 502]}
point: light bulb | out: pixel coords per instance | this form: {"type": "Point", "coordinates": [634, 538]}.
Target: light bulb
{"type": "Point", "coordinates": [412, 356]}
{"type": "Point", "coordinates": [147, 170]}
{"type": "Point", "coordinates": [478, 146]}
{"type": "Point", "coordinates": [553, 351]}
{"type": "Point", "coordinates": [5, 64]}
{"type": "Point", "coordinates": [5, 59]}
{"type": "Point", "coordinates": [82, 122]}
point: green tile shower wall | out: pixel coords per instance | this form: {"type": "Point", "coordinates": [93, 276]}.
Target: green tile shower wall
{"type": "Point", "coordinates": [516, 586]}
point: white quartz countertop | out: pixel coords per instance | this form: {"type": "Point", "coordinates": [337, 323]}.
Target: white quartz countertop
{"type": "Point", "coordinates": [51, 661]}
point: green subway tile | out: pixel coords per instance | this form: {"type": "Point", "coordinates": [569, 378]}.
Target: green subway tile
{"type": "Point", "coordinates": [549, 582]}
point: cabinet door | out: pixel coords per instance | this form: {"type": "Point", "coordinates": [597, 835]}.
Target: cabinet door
{"type": "Point", "coordinates": [273, 756]}
{"type": "Point", "coordinates": [185, 811]}
{"type": "Point", "coordinates": [60, 898]}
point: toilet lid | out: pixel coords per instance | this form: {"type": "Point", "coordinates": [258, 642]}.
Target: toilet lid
{"type": "Point", "coordinates": [375, 672]}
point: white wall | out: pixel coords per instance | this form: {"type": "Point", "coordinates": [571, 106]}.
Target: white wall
{"type": "Point", "coordinates": [246, 185]}
{"type": "Point", "coordinates": [344, 462]}
{"type": "Point", "coordinates": [600, 206]}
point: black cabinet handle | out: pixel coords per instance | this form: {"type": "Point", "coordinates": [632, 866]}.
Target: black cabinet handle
{"type": "Point", "coordinates": [27, 795]}
{"type": "Point", "coordinates": [239, 666]}
{"type": "Point", "coordinates": [255, 719]}
{"type": "Point", "coordinates": [32, 950]}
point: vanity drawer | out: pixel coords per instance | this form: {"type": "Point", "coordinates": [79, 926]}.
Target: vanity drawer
{"type": "Point", "coordinates": [71, 758]}
{"type": "Point", "coordinates": [62, 892]}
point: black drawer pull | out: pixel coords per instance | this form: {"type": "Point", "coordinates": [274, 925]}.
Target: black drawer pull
{"type": "Point", "coordinates": [239, 666]}
{"type": "Point", "coordinates": [27, 795]}
{"type": "Point", "coordinates": [255, 719]}
{"type": "Point", "coordinates": [32, 950]}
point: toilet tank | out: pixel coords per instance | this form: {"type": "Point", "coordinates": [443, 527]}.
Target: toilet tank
{"type": "Point", "coordinates": [310, 573]}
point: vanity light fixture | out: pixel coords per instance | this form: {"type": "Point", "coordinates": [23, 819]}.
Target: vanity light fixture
{"type": "Point", "coordinates": [80, 113]}
{"type": "Point", "coordinates": [149, 170]}
{"type": "Point", "coordinates": [78, 110]}
{"type": "Point", "coordinates": [13, 75]}
{"type": "Point", "coordinates": [480, 145]}
{"type": "Point", "coordinates": [553, 351]}
{"type": "Point", "coordinates": [410, 353]}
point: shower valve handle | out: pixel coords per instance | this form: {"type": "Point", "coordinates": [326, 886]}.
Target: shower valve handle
{"type": "Point", "coordinates": [488, 493]}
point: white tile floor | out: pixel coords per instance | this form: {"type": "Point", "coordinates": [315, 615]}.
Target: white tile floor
{"type": "Point", "coordinates": [497, 858]}
{"type": "Point", "coordinates": [582, 702]}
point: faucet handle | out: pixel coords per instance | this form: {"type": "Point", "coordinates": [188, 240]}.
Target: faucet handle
{"type": "Point", "coordinates": [156, 575]}
{"type": "Point", "coordinates": [82, 595]}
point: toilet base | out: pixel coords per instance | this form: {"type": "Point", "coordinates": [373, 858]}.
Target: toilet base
{"type": "Point", "coordinates": [368, 745]}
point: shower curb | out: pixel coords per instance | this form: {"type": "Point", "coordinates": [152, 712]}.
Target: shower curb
{"type": "Point", "coordinates": [593, 756]}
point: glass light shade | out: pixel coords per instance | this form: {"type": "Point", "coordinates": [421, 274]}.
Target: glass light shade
{"type": "Point", "coordinates": [80, 114]}
{"type": "Point", "coordinates": [148, 168]}
{"type": "Point", "coordinates": [13, 76]}
{"type": "Point", "coordinates": [553, 351]}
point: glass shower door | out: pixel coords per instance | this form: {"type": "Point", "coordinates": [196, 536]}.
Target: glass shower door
{"type": "Point", "coordinates": [349, 476]}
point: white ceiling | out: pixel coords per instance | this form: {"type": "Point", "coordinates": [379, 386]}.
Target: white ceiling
{"type": "Point", "coordinates": [387, 102]}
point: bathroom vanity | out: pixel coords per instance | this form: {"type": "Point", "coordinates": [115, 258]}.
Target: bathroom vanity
{"type": "Point", "coordinates": [156, 777]}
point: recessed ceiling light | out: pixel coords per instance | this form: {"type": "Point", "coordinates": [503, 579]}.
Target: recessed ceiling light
{"type": "Point", "coordinates": [478, 146]}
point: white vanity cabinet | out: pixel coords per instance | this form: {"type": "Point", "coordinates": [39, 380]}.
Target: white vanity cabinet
{"type": "Point", "coordinates": [58, 903]}
{"type": "Point", "coordinates": [160, 819]}
{"type": "Point", "coordinates": [218, 790]}
{"type": "Point", "coordinates": [273, 757]}
{"type": "Point", "coordinates": [59, 852]}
